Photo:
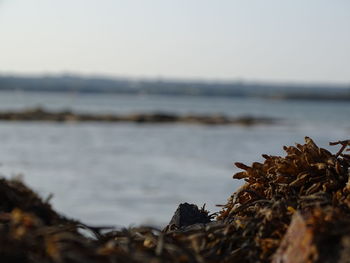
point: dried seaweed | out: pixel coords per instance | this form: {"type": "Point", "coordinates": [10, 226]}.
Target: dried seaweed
{"type": "Point", "coordinates": [307, 178]}
{"type": "Point", "coordinates": [304, 194]}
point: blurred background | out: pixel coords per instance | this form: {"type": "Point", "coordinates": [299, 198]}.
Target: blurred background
{"type": "Point", "coordinates": [285, 60]}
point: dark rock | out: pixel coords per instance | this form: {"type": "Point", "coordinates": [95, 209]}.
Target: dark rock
{"type": "Point", "coordinates": [189, 214]}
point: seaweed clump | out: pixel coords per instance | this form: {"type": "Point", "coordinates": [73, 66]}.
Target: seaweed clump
{"type": "Point", "coordinates": [291, 209]}
{"type": "Point", "coordinates": [308, 181]}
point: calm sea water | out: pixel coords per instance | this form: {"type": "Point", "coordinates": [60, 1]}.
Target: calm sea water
{"type": "Point", "coordinates": [122, 174]}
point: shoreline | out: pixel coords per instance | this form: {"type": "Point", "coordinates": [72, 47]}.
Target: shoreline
{"type": "Point", "coordinates": [40, 114]}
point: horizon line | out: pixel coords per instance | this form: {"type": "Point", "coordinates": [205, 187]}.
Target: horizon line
{"type": "Point", "coordinates": [180, 79]}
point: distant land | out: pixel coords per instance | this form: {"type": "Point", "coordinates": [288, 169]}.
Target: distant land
{"type": "Point", "coordinates": [80, 84]}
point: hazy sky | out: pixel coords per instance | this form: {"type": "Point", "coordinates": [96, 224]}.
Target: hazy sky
{"type": "Point", "coordinates": [281, 40]}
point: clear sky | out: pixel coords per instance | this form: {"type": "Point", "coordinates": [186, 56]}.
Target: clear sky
{"type": "Point", "coordinates": [278, 40]}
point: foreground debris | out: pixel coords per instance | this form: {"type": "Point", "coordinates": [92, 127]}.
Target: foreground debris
{"type": "Point", "coordinates": [39, 114]}
{"type": "Point", "coordinates": [291, 209]}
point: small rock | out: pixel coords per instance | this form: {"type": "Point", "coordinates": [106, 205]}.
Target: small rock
{"type": "Point", "coordinates": [189, 214]}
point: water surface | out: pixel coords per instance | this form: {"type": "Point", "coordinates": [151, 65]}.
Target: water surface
{"type": "Point", "coordinates": [124, 174]}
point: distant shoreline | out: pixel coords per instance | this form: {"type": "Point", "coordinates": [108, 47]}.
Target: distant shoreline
{"type": "Point", "coordinates": [277, 97]}
{"type": "Point", "coordinates": [234, 89]}
{"type": "Point", "coordinates": [40, 114]}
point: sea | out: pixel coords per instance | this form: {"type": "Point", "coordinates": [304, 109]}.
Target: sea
{"type": "Point", "coordinates": [128, 174]}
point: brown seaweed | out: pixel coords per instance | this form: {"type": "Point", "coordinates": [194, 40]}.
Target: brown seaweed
{"type": "Point", "coordinates": [291, 209]}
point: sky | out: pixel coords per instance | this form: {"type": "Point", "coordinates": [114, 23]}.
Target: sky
{"type": "Point", "coordinates": [264, 40]}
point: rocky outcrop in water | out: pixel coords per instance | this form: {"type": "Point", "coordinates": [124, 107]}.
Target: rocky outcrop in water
{"type": "Point", "coordinates": [39, 114]}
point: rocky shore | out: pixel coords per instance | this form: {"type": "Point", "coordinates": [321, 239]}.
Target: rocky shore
{"type": "Point", "coordinates": [39, 114]}
{"type": "Point", "coordinates": [292, 209]}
